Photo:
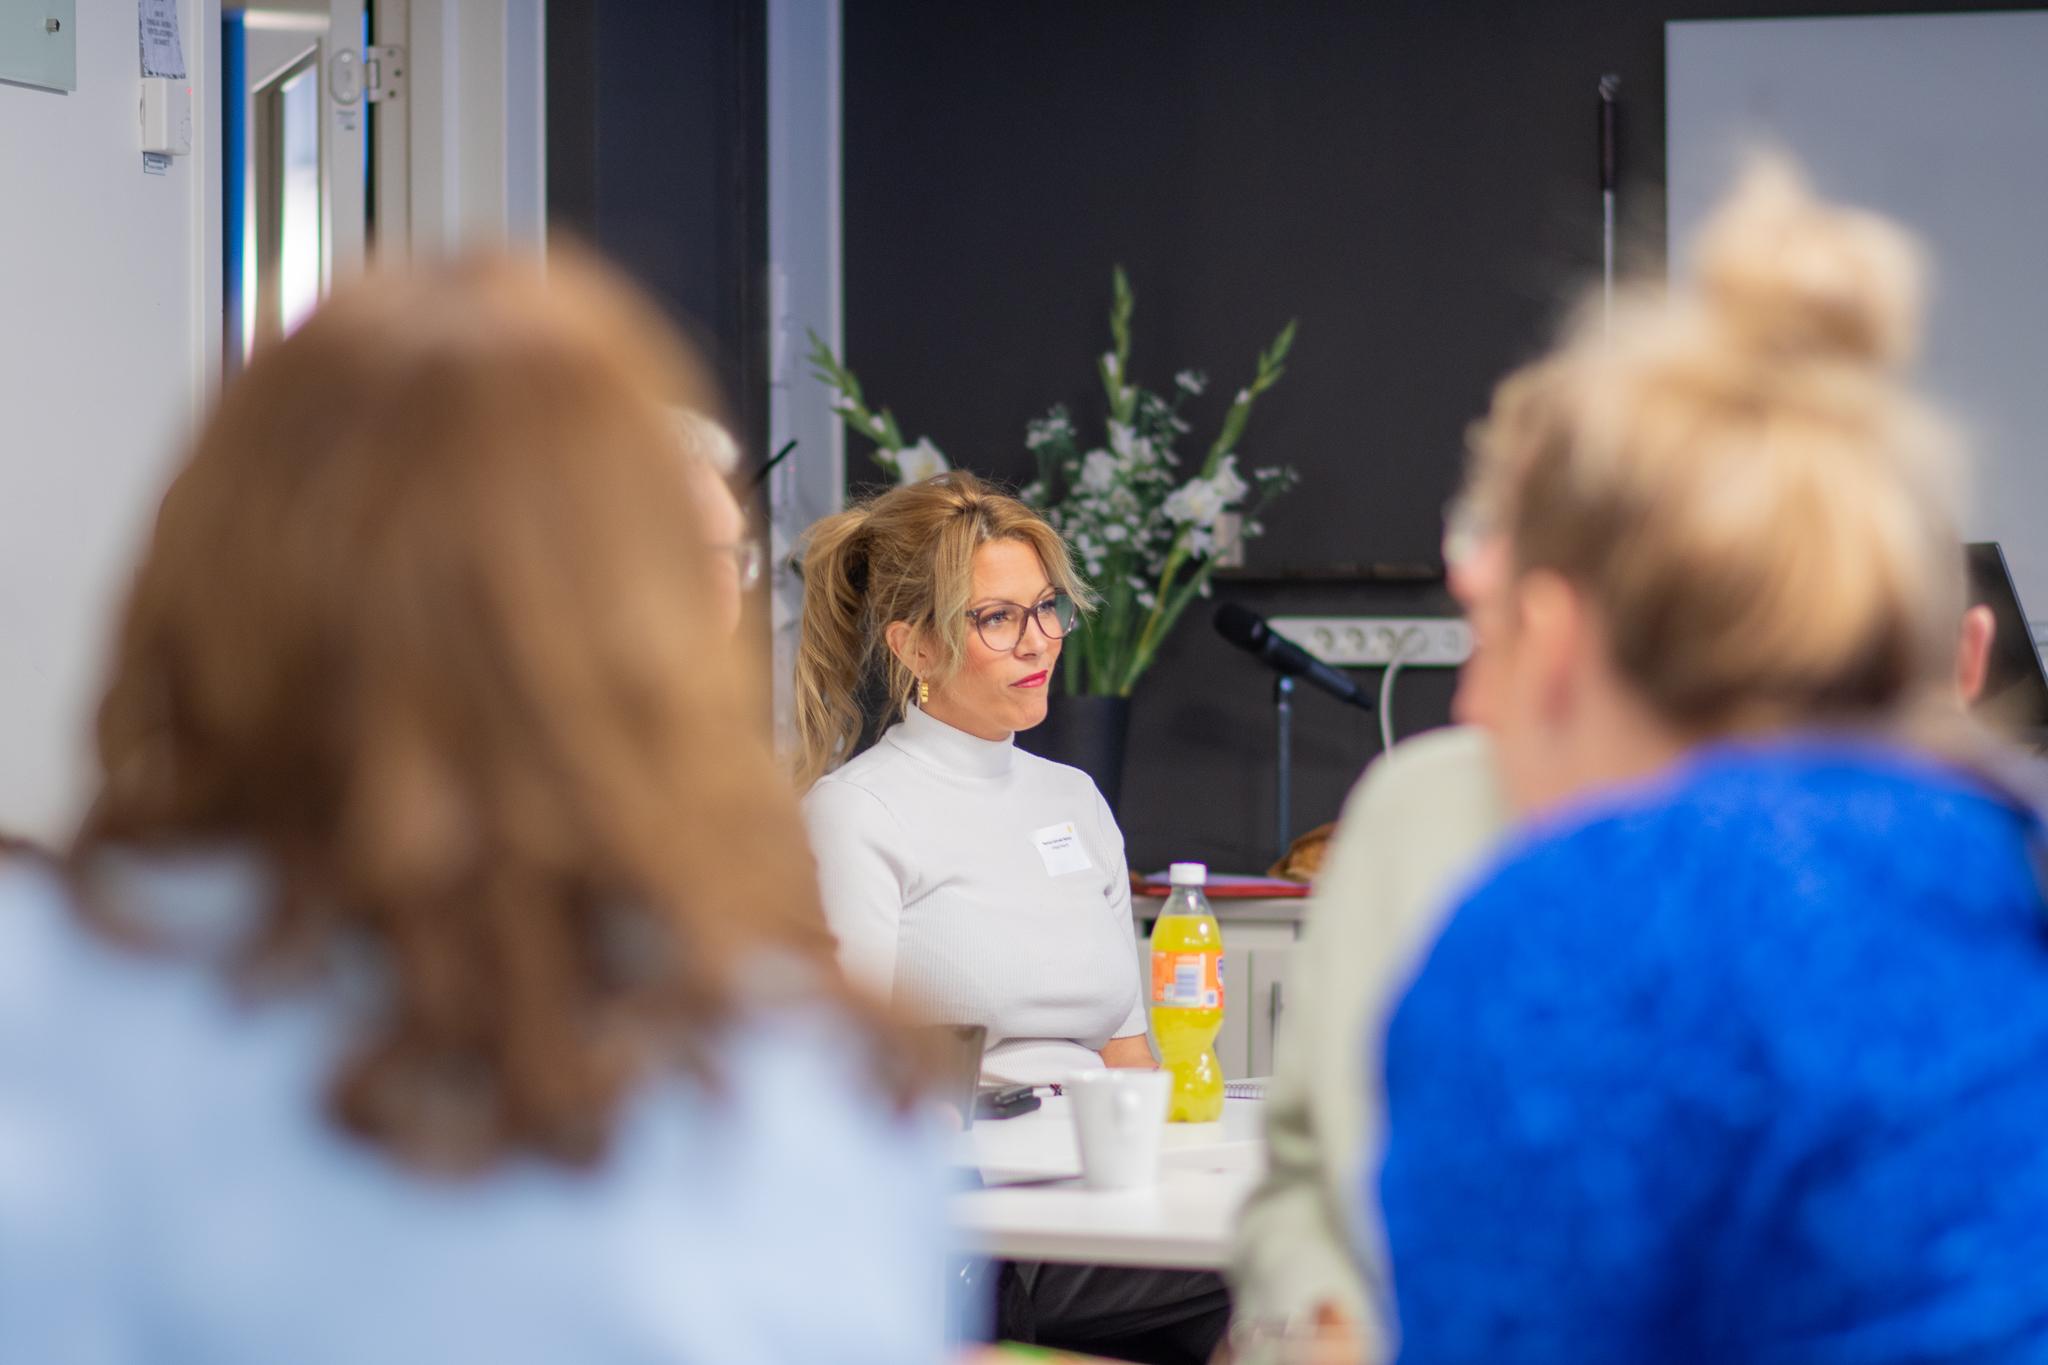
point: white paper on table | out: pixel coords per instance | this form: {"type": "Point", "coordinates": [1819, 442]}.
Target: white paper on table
{"type": "Point", "coordinates": [163, 52]}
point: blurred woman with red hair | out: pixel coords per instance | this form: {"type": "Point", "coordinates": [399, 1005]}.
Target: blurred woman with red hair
{"type": "Point", "coordinates": [439, 974]}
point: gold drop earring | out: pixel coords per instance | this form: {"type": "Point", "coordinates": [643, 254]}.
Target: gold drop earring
{"type": "Point", "coordinates": [924, 694]}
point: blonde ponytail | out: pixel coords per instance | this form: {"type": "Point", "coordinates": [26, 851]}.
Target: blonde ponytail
{"type": "Point", "coordinates": [906, 555]}
{"type": "Point", "coordinates": [833, 647]}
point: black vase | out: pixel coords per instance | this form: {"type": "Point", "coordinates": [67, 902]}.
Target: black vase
{"type": "Point", "coordinates": [1087, 733]}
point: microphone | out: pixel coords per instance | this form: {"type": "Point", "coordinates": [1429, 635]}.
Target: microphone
{"type": "Point", "coordinates": [1249, 632]}
{"type": "Point", "coordinates": [1610, 91]}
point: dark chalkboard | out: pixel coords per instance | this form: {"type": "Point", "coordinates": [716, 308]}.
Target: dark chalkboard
{"type": "Point", "coordinates": [1417, 182]}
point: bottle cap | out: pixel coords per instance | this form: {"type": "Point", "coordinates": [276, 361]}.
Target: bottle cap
{"type": "Point", "coordinates": [1188, 874]}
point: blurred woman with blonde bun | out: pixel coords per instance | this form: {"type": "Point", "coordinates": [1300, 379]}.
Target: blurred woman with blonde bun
{"type": "Point", "coordinates": [1741, 1053]}
{"type": "Point", "coordinates": [439, 974]}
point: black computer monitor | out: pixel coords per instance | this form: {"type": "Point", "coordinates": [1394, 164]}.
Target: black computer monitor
{"type": "Point", "coordinates": [2015, 696]}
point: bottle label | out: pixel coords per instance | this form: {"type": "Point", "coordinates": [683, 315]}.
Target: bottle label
{"type": "Point", "coordinates": [1188, 980]}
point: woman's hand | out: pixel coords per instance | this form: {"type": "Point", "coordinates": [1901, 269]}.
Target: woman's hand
{"type": "Point", "coordinates": [1332, 1339]}
{"type": "Point", "coordinates": [1134, 1052]}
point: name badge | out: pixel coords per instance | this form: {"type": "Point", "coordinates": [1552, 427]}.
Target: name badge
{"type": "Point", "coordinates": [1059, 847]}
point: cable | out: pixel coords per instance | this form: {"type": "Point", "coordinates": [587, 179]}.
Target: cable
{"type": "Point", "coordinates": [1411, 636]}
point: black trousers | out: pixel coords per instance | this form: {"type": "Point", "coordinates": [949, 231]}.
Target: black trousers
{"type": "Point", "coordinates": [1158, 1317]}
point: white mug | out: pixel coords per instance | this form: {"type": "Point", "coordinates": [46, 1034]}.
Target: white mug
{"type": "Point", "coordinates": [1119, 1122]}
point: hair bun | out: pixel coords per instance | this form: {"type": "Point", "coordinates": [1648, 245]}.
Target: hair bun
{"type": "Point", "coordinates": [1790, 275]}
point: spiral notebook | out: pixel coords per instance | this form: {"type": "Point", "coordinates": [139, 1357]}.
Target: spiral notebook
{"type": "Point", "coordinates": [1250, 1088]}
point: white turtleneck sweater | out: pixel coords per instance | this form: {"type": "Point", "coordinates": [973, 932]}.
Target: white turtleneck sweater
{"type": "Point", "coordinates": [975, 883]}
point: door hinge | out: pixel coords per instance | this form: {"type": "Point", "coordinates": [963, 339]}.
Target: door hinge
{"type": "Point", "coordinates": [383, 73]}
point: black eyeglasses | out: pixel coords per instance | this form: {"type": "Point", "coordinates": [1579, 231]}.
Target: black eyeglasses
{"type": "Point", "coordinates": [1001, 624]}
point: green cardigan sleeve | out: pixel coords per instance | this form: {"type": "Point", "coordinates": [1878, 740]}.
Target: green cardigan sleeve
{"type": "Point", "coordinates": [1413, 831]}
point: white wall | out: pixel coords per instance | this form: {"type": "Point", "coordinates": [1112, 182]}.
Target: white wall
{"type": "Point", "coordinates": [109, 330]}
{"type": "Point", "coordinates": [1939, 120]}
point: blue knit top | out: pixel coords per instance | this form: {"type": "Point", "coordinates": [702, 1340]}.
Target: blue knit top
{"type": "Point", "coordinates": [1749, 1064]}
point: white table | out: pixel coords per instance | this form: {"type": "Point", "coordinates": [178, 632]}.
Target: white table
{"type": "Point", "coordinates": [1184, 1223]}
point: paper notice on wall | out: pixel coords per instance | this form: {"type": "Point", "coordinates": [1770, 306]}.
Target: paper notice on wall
{"type": "Point", "coordinates": [163, 54]}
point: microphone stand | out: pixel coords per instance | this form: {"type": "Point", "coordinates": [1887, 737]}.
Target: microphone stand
{"type": "Point", "coordinates": [1283, 797]}
{"type": "Point", "coordinates": [1610, 89]}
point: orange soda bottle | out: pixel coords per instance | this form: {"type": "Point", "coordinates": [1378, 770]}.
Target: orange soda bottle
{"type": "Point", "coordinates": [1187, 996]}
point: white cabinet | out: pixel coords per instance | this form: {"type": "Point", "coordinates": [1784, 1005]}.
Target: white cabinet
{"type": "Point", "coordinates": [1272, 969]}
{"type": "Point", "coordinates": [1259, 939]}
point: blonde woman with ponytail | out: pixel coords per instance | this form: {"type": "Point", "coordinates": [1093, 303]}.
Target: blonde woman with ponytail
{"type": "Point", "coordinates": [966, 880]}
{"type": "Point", "coordinates": [971, 881]}
{"type": "Point", "coordinates": [1743, 1054]}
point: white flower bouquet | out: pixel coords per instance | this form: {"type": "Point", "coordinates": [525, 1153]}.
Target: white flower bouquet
{"type": "Point", "coordinates": [1146, 538]}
